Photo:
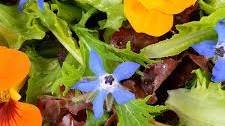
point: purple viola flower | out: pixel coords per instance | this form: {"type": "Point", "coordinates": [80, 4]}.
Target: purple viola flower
{"type": "Point", "coordinates": [23, 2]}
{"type": "Point", "coordinates": [106, 83]}
{"type": "Point", "coordinates": [213, 49]}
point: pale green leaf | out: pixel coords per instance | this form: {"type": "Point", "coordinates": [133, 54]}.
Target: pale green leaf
{"type": "Point", "coordinates": [202, 105]}
{"type": "Point", "coordinates": [209, 6]}
{"type": "Point", "coordinates": [16, 28]}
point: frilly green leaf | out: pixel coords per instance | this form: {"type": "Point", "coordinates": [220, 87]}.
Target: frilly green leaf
{"type": "Point", "coordinates": [138, 113]}
{"type": "Point", "coordinates": [113, 9]}
{"type": "Point", "coordinates": [16, 28]}
{"type": "Point", "coordinates": [202, 105]}
{"type": "Point", "coordinates": [209, 6]}
{"type": "Point", "coordinates": [58, 27]}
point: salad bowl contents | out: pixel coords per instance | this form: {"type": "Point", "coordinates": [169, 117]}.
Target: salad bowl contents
{"type": "Point", "coordinates": [112, 63]}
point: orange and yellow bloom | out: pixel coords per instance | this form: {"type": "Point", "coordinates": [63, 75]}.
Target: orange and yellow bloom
{"type": "Point", "coordinates": [154, 17]}
{"type": "Point", "coordinates": [14, 67]}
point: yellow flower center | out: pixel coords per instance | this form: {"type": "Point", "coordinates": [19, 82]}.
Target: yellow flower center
{"type": "Point", "coordinates": [6, 95]}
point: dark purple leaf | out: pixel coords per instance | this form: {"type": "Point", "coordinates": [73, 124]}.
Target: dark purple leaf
{"type": "Point", "coordinates": [155, 74]}
{"type": "Point", "coordinates": [54, 110]}
{"type": "Point", "coordinates": [138, 40]}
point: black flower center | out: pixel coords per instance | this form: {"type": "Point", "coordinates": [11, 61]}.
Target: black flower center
{"type": "Point", "coordinates": [220, 51]}
{"type": "Point", "coordinates": [109, 79]}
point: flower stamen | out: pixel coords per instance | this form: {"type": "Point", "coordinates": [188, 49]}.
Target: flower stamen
{"type": "Point", "coordinates": [4, 96]}
{"type": "Point", "coordinates": [220, 50]}
{"type": "Point", "coordinates": [108, 82]}
{"type": "Point", "coordinates": [109, 79]}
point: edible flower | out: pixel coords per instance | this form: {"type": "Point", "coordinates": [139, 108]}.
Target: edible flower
{"type": "Point", "coordinates": [106, 83]}
{"type": "Point", "coordinates": [14, 67]}
{"type": "Point", "coordinates": [213, 49]}
{"type": "Point", "coordinates": [23, 2]}
{"type": "Point", "coordinates": [154, 17]}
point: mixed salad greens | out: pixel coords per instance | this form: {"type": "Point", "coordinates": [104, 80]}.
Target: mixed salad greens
{"type": "Point", "coordinates": [112, 62]}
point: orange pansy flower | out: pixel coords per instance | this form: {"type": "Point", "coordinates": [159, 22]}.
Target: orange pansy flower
{"type": "Point", "coordinates": [14, 67]}
{"type": "Point", "coordinates": [154, 17]}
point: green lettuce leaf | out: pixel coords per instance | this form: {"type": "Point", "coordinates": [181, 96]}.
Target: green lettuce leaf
{"type": "Point", "coordinates": [91, 121]}
{"type": "Point", "coordinates": [202, 105]}
{"type": "Point", "coordinates": [89, 38]}
{"type": "Point", "coordinates": [189, 34]}
{"type": "Point", "coordinates": [114, 54]}
{"type": "Point", "coordinates": [70, 73]}
{"type": "Point", "coordinates": [15, 27]}
{"type": "Point", "coordinates": [67, 11]}
{"type": "Point", "coordinates": [113, 9]}
{"type": "Point", "coordinates": [209, 6]}
{"type": "Point", "coordinates": [43, 74]}
{"type": "Point", "coordinates": [137, 113]}
{"type": "Point", "coordinates": [58, 27]}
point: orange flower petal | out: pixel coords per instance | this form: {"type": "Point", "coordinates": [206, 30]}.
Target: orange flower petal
{"type": "Point", "coordinates": [151, 22]}
{"type": "Point", "coordinates": [14, 67]}
{"type": "Point", "coordinates": [168, 6]}
{"type": "Point", "coordinates": [15, 113]}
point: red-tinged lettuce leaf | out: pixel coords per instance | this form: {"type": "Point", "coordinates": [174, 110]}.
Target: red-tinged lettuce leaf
{"type": "Point", "coordinates": [170, 73]}
{"type": "Point", "coordinates": [134, 86]}
{"type": "Point", "coordinates": [138, 40]}
{"type": "Point", "coordinates": [201, 61]}
{"type": "Point", "coordinates": [112, 120]}
{"type": "Point", "coordinates": [183, 72]}
{"type": "Point", "coordinates": [188, 15]}
{"type": "Point", "coordinates": [68, 120]}
{"type": "Point", "coordinates": [62, 110]}
{"type": "Point", "coordinates": [156, 74]}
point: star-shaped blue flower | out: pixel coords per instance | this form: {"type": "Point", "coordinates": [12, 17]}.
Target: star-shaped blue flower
{"type": "Point", "coordinates": [23, 2]}
{"type": "Point", "coordinates": [106, 83]}
{"type": "Point", "coordinates": [210, 49]}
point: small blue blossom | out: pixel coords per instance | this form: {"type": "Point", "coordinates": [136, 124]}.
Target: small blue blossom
{"type": "Point", "coordinates": [23, 2]}
{"type": "Point", "coordinates": [106, 83]}
{"type": "Point", "coordinates": [212, 49]}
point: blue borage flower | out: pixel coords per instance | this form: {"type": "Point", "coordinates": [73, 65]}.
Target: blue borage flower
{"type": "Point", "coordinates": [23, 2]}
{"type": "Point", "coordinates": [210, 49]}
{"type": "Point", "coordinates": [106, 83]}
